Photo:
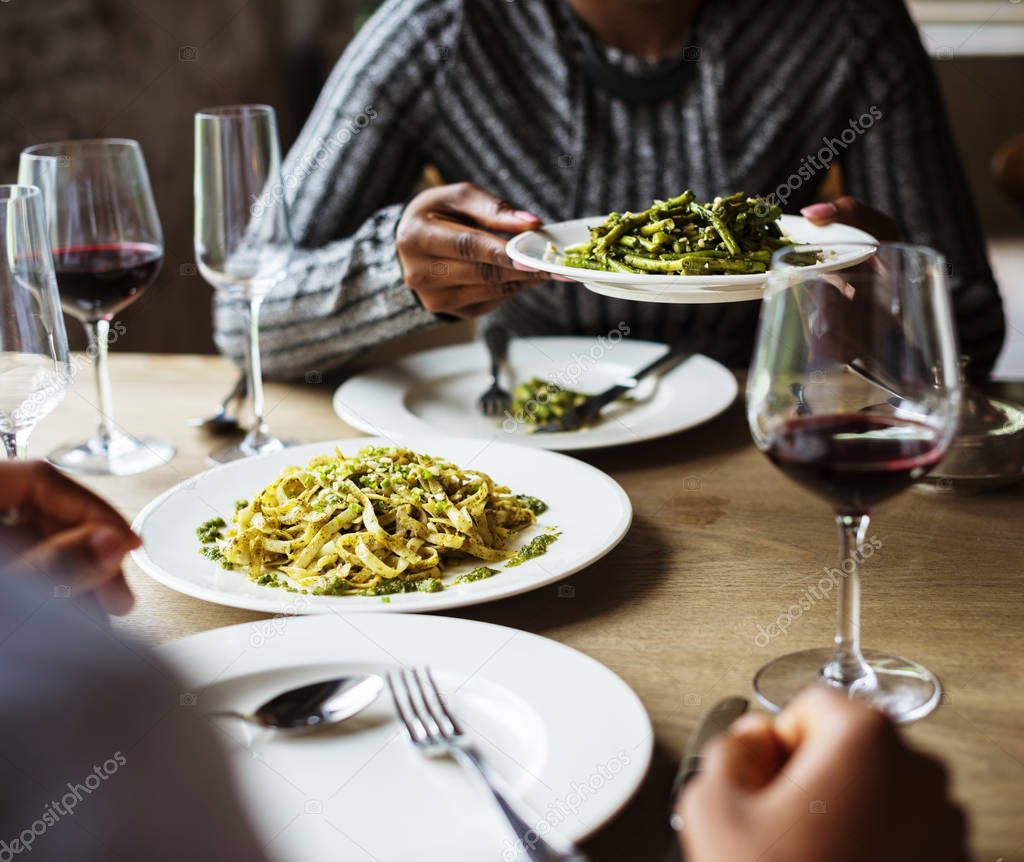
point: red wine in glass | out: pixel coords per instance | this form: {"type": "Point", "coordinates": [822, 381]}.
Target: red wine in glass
{"type": "Point", "coordinates": [855, 460]}
{"type": "Point", "coordinates": [97, 281]}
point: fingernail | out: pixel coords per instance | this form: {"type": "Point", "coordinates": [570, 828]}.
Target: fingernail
{"type": "Point", "coordinates": [522, 267]}
{"type": "Point", "coordinates": [523, 215]}
{"type": "Point", "coordinates": [819, 211]}
{"type": "Point", "coordinates": [561, 278]}
{"type": "Point", "coordinates": [107, 546]}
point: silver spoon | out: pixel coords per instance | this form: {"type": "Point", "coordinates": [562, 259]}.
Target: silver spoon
{"type": "Point", "coordinates": [221, 423]}
{"type": "Point", "coordinates": [317, 705]}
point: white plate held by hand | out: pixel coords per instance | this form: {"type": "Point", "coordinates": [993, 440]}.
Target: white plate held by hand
{"type": "Point", "coordinates": [532, 249]}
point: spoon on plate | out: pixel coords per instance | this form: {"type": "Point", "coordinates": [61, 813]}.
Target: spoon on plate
{"type": "Point", "coordinates": [313, 706]}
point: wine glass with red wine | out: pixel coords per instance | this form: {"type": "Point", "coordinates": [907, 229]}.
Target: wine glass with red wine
{"type": "Point", "coordinates": [854, 392]}
{"type": "Point", "coordinates": [107, 249]}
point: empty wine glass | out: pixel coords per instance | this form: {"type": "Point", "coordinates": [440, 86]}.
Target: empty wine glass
{"type": "Point", "coordinates": [854, 392]}
{"type": "Point", "coordinates": [243, 240]}
{"type": "Point", "coordinates": [34, 369]}
{"type": "Point", "coordinates": [107, 248]}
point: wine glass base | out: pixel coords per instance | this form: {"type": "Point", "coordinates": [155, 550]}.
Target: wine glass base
{"type": "Point", "coordinates": [121, 456]}
{"type": "Point", "coordinates": [905, 690]}
{"type": "Point", "coordinates": [237, 451]}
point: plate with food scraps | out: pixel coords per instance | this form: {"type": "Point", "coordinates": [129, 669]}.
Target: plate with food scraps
{"type": "Point", "coordinates": [437, 392]}
{"type": "Point", "coordinates": [545, 250]}
{"type": "Point", "coordinates": [376, 524]}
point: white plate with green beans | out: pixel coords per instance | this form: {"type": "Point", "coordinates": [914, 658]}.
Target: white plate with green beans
{"type": "Point", "coordinates": [661, 255]}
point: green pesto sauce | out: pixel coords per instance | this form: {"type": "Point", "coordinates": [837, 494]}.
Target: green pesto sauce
{"type": "Point", "coordinates": [214, 554]}
{"type": "Point", "coordinates": [535, 548]}
{"type": "Point", "coordinates": [478, 574]}
{"type": "Point", "coordinates": [397, 585]}
{"type": "Point", "coordinates": [538, 507]}
{"type": "Point", "coordinates": [209, 531]}
{"type": "Point", "coordinates": [269, 579]}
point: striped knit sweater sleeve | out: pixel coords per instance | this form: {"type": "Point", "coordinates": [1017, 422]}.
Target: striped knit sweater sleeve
{"type": "Point", "coordinates": [906, 166]}
{"type": "Point", "coordinates": [347, 177]}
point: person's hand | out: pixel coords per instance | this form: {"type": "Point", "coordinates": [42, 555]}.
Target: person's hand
{"type": "Point", "coordinates": [452, 260]}
{"type": "Point", "coordinates": [58, 528]}
{"type": "Point", "coordinates": [829, 780]}
{"type": "Point", "coordinates": [855, 213]}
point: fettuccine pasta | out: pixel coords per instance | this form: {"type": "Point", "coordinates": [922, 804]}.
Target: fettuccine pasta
{"type": "Point", "coordinates": [383, 521]}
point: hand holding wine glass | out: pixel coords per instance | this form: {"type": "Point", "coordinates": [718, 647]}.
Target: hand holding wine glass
{"type": "Point", "coordinates": [34, 368]}
{"type": "Point", "coordinates": [107, 248]}
{"type": "Point", "coordinates": [243, 238]}
{"type": "Point", "coordinates": [851, 441]}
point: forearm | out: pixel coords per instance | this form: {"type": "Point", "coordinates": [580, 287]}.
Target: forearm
{"type": "Point", "coordinates": [335, 302]}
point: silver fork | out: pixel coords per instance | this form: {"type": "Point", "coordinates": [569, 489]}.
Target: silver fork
{"type": "Point", "coordinates": [435, 732]}
{"type": "Point", "coordinates": [496, 400]}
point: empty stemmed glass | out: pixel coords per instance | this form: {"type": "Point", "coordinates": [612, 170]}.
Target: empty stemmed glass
{"type": "Point", "coordinates": [34, 368]}
{"type": "Point", "coordinates": [854, 392]}
{"type": "Point", "coordinates": [243, 239]}
{"type": "Point", "coordinates": [107, 248]}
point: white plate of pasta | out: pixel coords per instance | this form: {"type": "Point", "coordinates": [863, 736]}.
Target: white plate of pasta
{"type": "Point", "coordinates": [378, 524]}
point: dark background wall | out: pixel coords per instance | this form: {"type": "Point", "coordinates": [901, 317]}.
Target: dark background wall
{"type": "Point", "coordinates": [141, 68]}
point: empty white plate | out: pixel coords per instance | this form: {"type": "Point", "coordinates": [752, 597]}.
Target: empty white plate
{"type": "Point", "coordinates": [437, 391]}
{"type": "Point", "coordinates": [533, 249]}
{"type": "Point", "coordinates": [361, 793]}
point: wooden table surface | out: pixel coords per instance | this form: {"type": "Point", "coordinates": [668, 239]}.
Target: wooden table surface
{"type": "Point", "coordinates": [721, 545]}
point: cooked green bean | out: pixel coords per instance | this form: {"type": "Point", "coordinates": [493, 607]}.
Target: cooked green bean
{"type": "Point", "coordinates": [730, 235]}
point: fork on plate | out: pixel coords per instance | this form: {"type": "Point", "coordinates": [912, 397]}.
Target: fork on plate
{"type": "Point", "coordinates": [434, 732]}
{"type": "Point", "coordinates": [496, 400]}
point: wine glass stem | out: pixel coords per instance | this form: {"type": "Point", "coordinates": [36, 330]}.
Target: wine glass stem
{"type": "Point", "coordinates": [251, 318]}
{"type": "Point", "coordinates": [847, 665]}
{"type": "Point", "coordinates": [98, 333]}
{"type": "Point", "coordinates": [15, 444]}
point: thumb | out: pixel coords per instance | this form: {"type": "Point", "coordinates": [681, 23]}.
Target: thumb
{"type": "Point", "coordinates": [489, 211]}
{"type": "Point", "coordinates": [855, 213]}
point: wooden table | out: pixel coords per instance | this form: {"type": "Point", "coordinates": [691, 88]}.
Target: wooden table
{"type": "Point", "coordinates": [721, 544]}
